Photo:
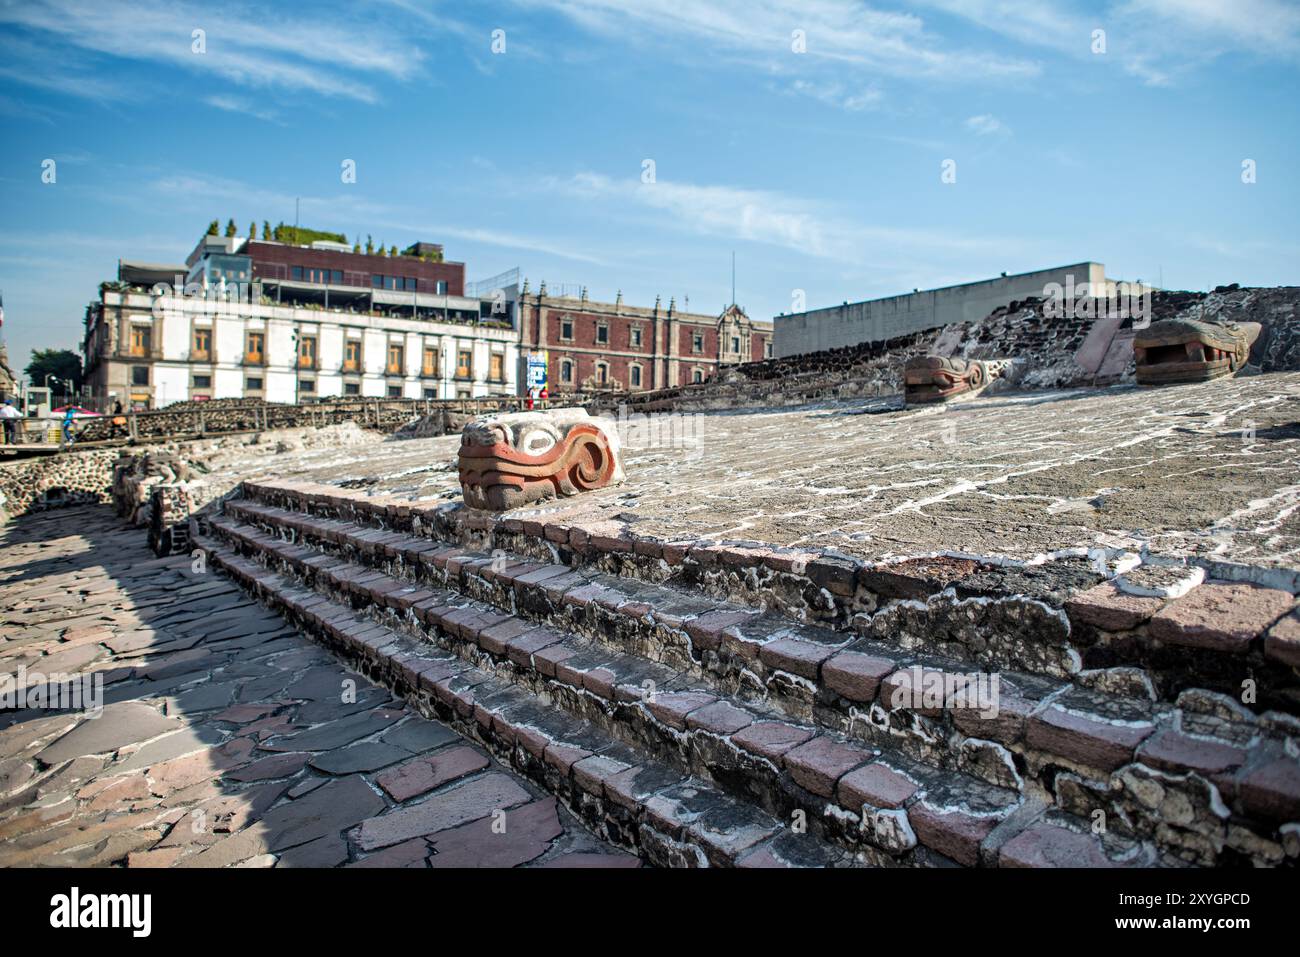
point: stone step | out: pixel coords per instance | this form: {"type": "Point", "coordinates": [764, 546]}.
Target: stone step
{"type": "Point", "coordinates": [805, 673]}
{"type": "Point", "coordinates": [1055, 618]}
{"type": "Point", "coordinates": [671, 818]}
{"type": "Point", "coordinates": [877, 801]}
{"type": "Point", "coordinates": [1096, 746]}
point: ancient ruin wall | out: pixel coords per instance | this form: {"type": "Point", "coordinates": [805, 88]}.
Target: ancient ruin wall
{"type": "Point", "coordinates": [1049, 352]}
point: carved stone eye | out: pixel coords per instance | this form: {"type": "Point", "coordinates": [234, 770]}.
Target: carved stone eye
{"type": "Point", "coordinates": [537, 439]}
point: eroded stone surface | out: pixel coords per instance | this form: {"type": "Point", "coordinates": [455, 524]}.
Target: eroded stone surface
{"type": "Point", "coordinates": [227, 738]}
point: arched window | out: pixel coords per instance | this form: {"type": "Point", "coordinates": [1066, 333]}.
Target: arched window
{"type": "Point", "coordinates": [634, 375]}
{"type": "Point", "coordinates": [697, 375]}
{"type": "Point", "coordinates": [602, 373]}
{"type": "Point", "coordinates": [566, 371]}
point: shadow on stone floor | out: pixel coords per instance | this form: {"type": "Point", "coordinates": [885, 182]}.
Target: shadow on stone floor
{"type": "Point", "coordinates": [226, 737]}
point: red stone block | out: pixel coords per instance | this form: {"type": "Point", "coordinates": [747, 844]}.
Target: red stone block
{"type": "Point", "coordinates": [1043, 844]}
{"type": "Point", "coordinates": [720, 718]}
{"type": "Point", "coordinates": [1282, 643]}
{"type": "Point", "coordinates": [820, 763]}
{"type": "Point", "coordinates": [706, 630]}
{"type": "Point", "coordinates": [955, 834]}
{"type": "Point", "coordinates": [1106, 607]}
{"type": "Point", "coordinates": [876, 785]}
{"type": "Point", "coordinates": [803, 658]}
{"type": "Point", "coordinates": [1221, 616]}
{"type": "Point", "coordinates": [1091, 742]}
{"type": "Point", "coordinates": [856, 676]}
{"type": "Point", "coordinates": [1272, 789]}
{"type": "Point", "coordinates": [673, 707]}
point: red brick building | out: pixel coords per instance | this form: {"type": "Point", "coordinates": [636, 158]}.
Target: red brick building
{"type": "Point", "coordinates": [596, 346]}
{"type": "Point", "coordinates": [335, 264]}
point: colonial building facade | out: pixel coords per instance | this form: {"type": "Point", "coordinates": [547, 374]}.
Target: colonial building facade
{"type": "Point", "coordinates": [290, 323]}
{"type": "Point", "coordinates": [288, 326]}
{"type": "Point", "coordinates": [601, 346]}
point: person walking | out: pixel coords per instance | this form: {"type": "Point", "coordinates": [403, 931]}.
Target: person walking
{"type": "Point", "coordinates": [10, 416]}
{"type": "Point", "coordinates": [69, 428]}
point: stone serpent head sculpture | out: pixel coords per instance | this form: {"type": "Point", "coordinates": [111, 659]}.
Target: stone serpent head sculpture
{"type": "Point", "coordinates": [521, 457]}
{"type": "Point", "coordinates": [1191, 350]}
{"type": "Point", "coordinates": [930, 379]}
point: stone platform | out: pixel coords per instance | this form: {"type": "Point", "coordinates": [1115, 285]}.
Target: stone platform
{"type": "Point", "coordinates": [1204, 471]}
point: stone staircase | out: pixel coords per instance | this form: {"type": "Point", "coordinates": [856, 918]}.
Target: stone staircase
{"type": "Point", "coordinates": [732, 704]}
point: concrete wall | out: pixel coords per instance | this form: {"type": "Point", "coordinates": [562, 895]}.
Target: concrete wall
{"type": "Point", "coordinates": [877, 320]}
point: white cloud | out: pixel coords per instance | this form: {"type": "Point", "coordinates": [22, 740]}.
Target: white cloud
{"type": "Point", "coordinates": [246, 46]}
{"type": "Point", "coordinates": [986, 124]}
{"type": "Point", "coordinates": [769, 217]}
{"type": "Point", "coordinates": [1271, 25]}
{"type": "Point", "coordinates": [835, 94]}
{"type": "Point", "coordinates": [1155, 41]}
{"type": "Point", "coordinates": [345, 213]}
{"type": "Point", "coordinates": [235, 104]}
{"type": "Point", "coordinates": [844, 34]}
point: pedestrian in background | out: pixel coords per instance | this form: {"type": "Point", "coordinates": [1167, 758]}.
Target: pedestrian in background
{"type": "Point", "coordinates": [10, 416]}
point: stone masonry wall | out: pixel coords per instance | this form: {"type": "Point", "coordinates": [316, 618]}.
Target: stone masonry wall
{"type": "Point", "coordinates": [1048, 353]}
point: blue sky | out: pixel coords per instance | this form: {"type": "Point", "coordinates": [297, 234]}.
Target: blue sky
{"type": "Point", "coordinates": [821, 169]}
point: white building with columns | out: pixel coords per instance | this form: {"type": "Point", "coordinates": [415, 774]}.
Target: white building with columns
{"type": "Point", "coordinates": [148, 350]}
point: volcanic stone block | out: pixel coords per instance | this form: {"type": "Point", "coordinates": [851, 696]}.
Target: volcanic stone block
{"type": "Point", "coordinates": [1221, 616]}
{"type": "Point", "coordinates": [1105, 606]}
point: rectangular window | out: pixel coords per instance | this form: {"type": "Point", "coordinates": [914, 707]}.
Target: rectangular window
{"type": "Point", "coordinates": [602, 373]}
{"type": "Point", "coordinates": [377, 282]}
{"type": "Point", "coordinates": [431, 393]}
{"type": "Point", "coordinates": [602, 333]}
{"type": "Point", "coordinates": [411, 285]}
{"type": "Point", "coordinates": [352, 355]}
{"type": "Point", "coordinates": [252, 384]}
{"type": "Point", "coordinates": [203, 382]}
{"type": "Point", "coordinates": [297, 273]}
{"type": "Point", "coordinates": [566, 371]}
{"type": "Point", "coordinates": [636, 337]}
{"type": "Point", "coordinates": [394, 391]}
{"type": "Point", "coordinates": [336, 276]}
{"type": "Point", "coordinates": [396, 358]}
{"type": "Point", "coordinates": [496, 367]}
{"type": "Point", "coordinates": [352, 388]}
{"type": "Point", "coordinates": [566, 329]}
{"type": "Point", "coordinates": [735, 344]}
{"type": "Point", "coordinates": [636, 376]}
{"type": "Point", "coordinates": [442, 287]}
{"type": "Point", "coordinates": [307, 352]}
{"type": "Point", "coordinates": [464, 364]}
{"type": "Point", "coordinates": [139, 375]}
{"type": "Point", "coordinates": [141, 340]}
{"type": "Point", "coordinates": [306, 385]}
{"type": "Point", "coordinates": [253, 348]}
{"type": "Point", "coordinates": [697, 342]}
{"type": "Point", "coordinates": [430, 366]}
{"type": "Point", "coordinates": [767, 350]}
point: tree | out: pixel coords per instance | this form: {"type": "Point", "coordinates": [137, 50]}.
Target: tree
{"type": "Point", "coordinates": [356, 247]}
{"type": "Point", "coordinates": [266, 229]}
{"type": "Point", "coordinates": [252, 230]}
{"type": "Point", "coordinates": [393, 252]}
{"type": "Point", "coordinates": [230, 228]}
{"type": "Point", "coordinates": [214, 228]}
{"type": "Point", "coordinates": [370, 245]}
{"type": "Point", "coordinates": [55, 362]}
